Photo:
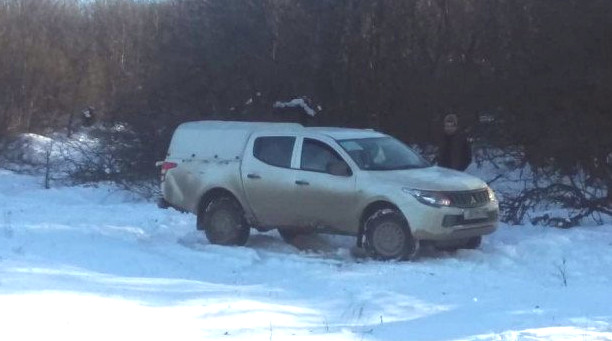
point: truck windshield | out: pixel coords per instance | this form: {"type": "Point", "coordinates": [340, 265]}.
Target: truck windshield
{"type": "Point", "coordinates": [382, 153]}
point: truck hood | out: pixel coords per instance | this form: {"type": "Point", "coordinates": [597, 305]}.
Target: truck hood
{"type": "Point", "coordinates": [430, 179]}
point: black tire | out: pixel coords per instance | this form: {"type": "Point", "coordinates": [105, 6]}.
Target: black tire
{"type": "Point", "coordinates": [388, 237]}
{"type": "Point", "coordinates": [224, 223]}
{"type": "Point", "coordinates": [162, 203]}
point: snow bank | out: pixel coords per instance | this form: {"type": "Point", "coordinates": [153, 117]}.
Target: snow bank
{"type": "Point", "coordinates": [510, 176]}
{"type": "Point", "coordinates": [89, 156]}
{"type": "Point", "coordinates": [32, 152]}
{"type": "Point", "coordinates": [96, 263]}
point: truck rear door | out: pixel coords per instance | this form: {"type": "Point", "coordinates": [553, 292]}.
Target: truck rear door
{"type": "Point", "coordinates": [268, 175]}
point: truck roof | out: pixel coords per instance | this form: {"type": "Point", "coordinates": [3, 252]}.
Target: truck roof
{"type": "Point", "coordinates": [237, 125]}
{"type": "Point", "coordinates": [333, 132]}
{"type": "Point", "coordinates": [345, 133]}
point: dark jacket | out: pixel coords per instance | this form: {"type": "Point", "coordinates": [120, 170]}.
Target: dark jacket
{"type": "Point", "coordinates": [455, 151]}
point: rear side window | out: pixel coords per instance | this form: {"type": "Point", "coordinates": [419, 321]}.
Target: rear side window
{"type": "Point", "coordinates": [274, 150]}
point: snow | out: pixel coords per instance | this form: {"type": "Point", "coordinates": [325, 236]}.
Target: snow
{"type": "Point", "coordinates": [297, 103]}
{"type": "Point", "coordinates": [33, 153]}
{"type": "Point", "coordinates": [97, 263]}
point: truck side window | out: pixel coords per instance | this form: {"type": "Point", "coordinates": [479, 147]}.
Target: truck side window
{"type": "Point", "coordinates": [274, 150]}
{"type": "Point", "coordinates": [318, 157]}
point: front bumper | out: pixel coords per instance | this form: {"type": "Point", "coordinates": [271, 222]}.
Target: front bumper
{"type": "Point", "coordinates": [451, 223]}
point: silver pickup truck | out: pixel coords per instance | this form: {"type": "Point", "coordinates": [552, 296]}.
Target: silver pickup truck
{"type": "Point", "coordinates": [240, 175]}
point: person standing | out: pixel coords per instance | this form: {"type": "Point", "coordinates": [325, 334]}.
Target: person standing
{"type": "Point", "coordinates": [455, 150]}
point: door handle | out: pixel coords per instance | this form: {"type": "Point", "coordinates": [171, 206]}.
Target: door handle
{"type": "Point", "coordinates": [302, 183]}
{"type": "Point", "coordinates": [253, 176]}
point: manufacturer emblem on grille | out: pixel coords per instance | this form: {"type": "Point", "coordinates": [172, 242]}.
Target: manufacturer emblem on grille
{"type": "Point", "coordinates": [473, 200]}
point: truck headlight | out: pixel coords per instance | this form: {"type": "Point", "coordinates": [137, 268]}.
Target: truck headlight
{"type": "Point", "coordinates": [492, 197]}
{"type": "Point", "coordinates": [431, 198]}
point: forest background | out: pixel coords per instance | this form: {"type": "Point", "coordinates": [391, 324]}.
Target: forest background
{"type": "Point", "coordinates": [527, 75]}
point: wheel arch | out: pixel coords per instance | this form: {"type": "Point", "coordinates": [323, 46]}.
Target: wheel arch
{"type": "Point", "coordinates": [208, 197]}
{"type": "Point", "coordinates": [369, 210]}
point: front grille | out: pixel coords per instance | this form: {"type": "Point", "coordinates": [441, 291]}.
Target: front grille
{"type": "Point", "coordinates": [469, 199]}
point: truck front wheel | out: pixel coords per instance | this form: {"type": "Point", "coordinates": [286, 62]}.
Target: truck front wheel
{"type": "Point", "coordinates": [224, 223]}
{"type": "Point", "coordinates": [388, 237]}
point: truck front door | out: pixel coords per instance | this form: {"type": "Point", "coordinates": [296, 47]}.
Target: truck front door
{"type": "Point", "coordinates": [325, 189]}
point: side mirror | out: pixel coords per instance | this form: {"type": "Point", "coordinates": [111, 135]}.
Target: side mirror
{"type": "Point", "coordinates": [339, 168]}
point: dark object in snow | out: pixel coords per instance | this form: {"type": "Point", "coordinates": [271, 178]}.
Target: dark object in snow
{"type": "Point", "coordinates": [88, 116]}
{"type": "Point", "coordinates": [455, 151]}
{"type": "Point", "coordinates": [547, 220]}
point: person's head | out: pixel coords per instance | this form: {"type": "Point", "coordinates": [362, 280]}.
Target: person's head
{"type": "Point", "coordinates": [451, 123]}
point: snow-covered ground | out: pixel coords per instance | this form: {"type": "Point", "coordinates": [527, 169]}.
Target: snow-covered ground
{"type": "Point", "coordinates": [94, 263]}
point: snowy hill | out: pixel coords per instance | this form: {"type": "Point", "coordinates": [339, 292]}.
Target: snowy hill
{"type": "Point", "coordinates": [95, 263]}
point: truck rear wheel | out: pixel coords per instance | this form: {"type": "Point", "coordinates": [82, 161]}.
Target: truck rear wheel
{"type": "Point", "coordinates": [162, 203]}
{"type": "Point", "coordinates": [388, 237]}
{"type": "Point", "coordinates": [224, 222]}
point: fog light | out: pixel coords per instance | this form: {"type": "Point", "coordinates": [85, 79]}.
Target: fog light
{"type": "Point", "coordinates": [451, 220]}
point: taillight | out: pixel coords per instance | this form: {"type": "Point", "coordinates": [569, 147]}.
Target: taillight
{"type": "Point", "coordinates": [165, 167]}
{"type": "Point", "coordinates": [168, 165]}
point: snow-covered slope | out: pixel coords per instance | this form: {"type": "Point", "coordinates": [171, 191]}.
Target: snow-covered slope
{"type": "Point", "coordinates": [87, 263]}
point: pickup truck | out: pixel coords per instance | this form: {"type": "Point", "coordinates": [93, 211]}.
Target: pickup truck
{"type": "Point", "coordinates": [236, 176]}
